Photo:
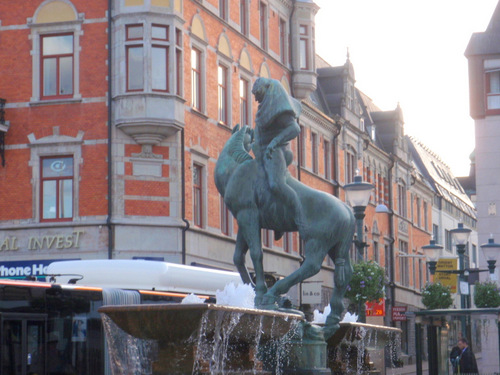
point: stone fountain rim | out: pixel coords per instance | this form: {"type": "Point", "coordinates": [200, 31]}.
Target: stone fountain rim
{"type": "Point", "coordinates": [199, 306]}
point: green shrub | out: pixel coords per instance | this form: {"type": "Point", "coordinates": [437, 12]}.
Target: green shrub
{"type": "Point", "coordinates": [367, 283]}
{"type": "Point", "coordinates": [487, 295]}
{"type": "Point", "coordinates": [436, 296]}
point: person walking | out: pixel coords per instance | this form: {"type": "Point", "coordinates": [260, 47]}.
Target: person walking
{"type": "Point", "coordinates": [467, 360]}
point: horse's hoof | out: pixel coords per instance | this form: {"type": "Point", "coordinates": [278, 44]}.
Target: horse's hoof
{"type": "Point", "coordinates": [268, 306]}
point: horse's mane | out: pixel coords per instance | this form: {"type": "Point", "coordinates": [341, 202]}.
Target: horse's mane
{"type": "Point", "coordinates": [235, 145]}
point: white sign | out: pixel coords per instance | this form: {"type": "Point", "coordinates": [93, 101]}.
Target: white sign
{"type": "Point", "coordinates": [464, 288]}
{"type": "Point", "coordinates": [311, 293]}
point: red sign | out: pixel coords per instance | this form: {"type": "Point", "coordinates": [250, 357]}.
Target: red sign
{"type": "Point", "coordinates": [398, 313]}
{"type": "Point", "coordinates": [376, 308]}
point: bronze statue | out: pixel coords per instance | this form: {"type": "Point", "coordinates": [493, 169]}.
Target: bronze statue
{"type": "Point", "coordinates": [261, 193]}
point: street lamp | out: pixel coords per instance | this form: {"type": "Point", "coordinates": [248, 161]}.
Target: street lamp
{"type": "Point", "coordinates": [491, 250]}
{"type": "Point", "coordinates": [358, 195]}
{"type": "Point", "coordinates": [432, 252]}
{"type": "Point", "coordinates": [460, 236]}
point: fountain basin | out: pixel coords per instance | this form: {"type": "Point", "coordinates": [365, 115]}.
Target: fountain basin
{"type": "Point", "coordinates": [199, 338]}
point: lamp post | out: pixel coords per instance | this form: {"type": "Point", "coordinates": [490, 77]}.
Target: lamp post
{"type": "Point", "coordinates": [460, 236]}
{"type": "Point", "coordinates": [491, 250]}
{"type": "Point", "coordinates": [358, 195]}
{"type": "Point", "coordinates": [433, 253]}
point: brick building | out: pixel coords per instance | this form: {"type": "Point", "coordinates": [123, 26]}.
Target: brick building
{"type": "Point", "coordinates": [116, 112]}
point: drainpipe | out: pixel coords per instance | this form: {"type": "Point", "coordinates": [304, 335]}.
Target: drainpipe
{"type": "Point", "coordinates": [183, 198]}
{"type": "Point", "coordinates": [336, 160]}
{"type": "Point", "coordinates": [391, 234]}
{"type": "Point", "coordinates": [110, 135]}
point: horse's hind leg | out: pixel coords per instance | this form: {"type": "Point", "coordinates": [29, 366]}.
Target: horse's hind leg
{"type": "Point", "coordinates": [342, 278]}
{"type": "Point", "coordinates": [314, 256]}
{"type": "Point", "coordinates": [248, 224]}
{"type": "Point", "coordinates": [239, 259]}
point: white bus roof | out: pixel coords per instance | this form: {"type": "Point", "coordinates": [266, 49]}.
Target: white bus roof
{"type": "Point", "coordinates": [142, 274]}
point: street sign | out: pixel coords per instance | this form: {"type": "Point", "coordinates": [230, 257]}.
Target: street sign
{"type": "Point", "coordinates": [398, 313]}
{"type": "Point", "coordinates": [447, 279]}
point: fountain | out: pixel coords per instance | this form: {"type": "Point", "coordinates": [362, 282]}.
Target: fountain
{"type": "Point", "coordinates": [215, 339]}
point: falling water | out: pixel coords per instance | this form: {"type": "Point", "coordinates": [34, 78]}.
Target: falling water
{"type": "Point", "coordinates": [126, 354]}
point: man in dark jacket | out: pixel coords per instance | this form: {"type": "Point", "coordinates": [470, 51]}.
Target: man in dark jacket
{"type": "Point", "coordinates": [467, 363]}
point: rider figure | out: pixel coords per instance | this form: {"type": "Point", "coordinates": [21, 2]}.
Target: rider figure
{"type": "Point", "coordinates": [275, 126]}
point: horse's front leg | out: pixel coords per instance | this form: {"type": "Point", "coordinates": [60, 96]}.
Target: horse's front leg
{"type": "Point", "coordinates": [240, 252]}
{"type": "Point", "coordinates": [248, 224]}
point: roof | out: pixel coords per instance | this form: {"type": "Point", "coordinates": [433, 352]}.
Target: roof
{"type": "Point", "coordinates": [440, 176]}
{"type": "Point", "coordinates": [486, 42]}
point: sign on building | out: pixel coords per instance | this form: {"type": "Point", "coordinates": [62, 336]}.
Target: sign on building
{"type": "Point", "coordinates": [398, 313]}
{"type": "Point", "coordinates": [447, 279]}
{"type": "Point", "coordinates": [376, 308]}
{"type": "Point", "coordinates": [311, 293]}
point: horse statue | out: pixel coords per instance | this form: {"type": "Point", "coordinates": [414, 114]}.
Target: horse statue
{"type": "Point", "coordinates": [325, 224]}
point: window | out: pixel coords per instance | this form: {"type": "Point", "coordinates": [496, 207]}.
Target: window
{"type": "Point", "coordinates": [328, 160]}
{"type": "Point", "coordinates": [283, 38]}
{"type": "Point", "coordinates": [244, 17]}
{"type": "Point", "coordinates": [141, 74]}
{"type": "Point", "coordinates": [419, 213]}
{"type": "Point", "coordinates": [304, 48]}
{"type": "Point", "coordinates": [350, 165]}
{"type": "Point", "coordinates": [288, 242]}
{"type": "Point", "coordinates": [225, 218]}
{"type": "Point", "coordinates": [197, 195]}
{"type": "Point", "coordinates": [314, 150]}
{"type": "Point", "coordinates": [302, 146]}
{"type": "Point", "coordinates": [426, 221]}
{"type": "Point", "coordinates": [376, 255]}
{"type": "Point", "coordinates": [57, 188]}
{"type": "Point", "coordinates": [222, 97]}
{"type": "Point", "coordinates": [244, 102]}
{"type": "Point", "coordinates": [178, 62]}
{"type": "Point", "coordinates": [223, 9]}
{"type": "Point", "coordinates": [266, 237]}
{"type": "Point", "coordinates": [404, 266]}
{"type": "Point", "coordinates": [447, 240]}
{"type": "Point", "coordinates": [159, 58]}
{"type": "Point", "coordinates": [57, 66]}
{"type": "Point", "coordinates": [402, 201]}
{"type": "Point", "coordinates": [196, 78]}
{"type": "Point", "coordinates": [492, 69]}
{"type": "Point", "coordinates": [263, 25]}
{"type": "Point", "coordinates": [135, 58]}
{"type": "Point", "coordinates": [435, 233]}
{"type": "Point", "coordinates": [493, 90]}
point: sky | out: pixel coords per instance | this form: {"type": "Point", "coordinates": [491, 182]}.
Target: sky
{"type": "Point", "coordinates": [412, 53]}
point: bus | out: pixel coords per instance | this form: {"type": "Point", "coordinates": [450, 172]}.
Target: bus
{"type": "Point", "coordinates": [53, 327]}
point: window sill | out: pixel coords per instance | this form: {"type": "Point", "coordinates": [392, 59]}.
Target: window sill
{"type": "Point", "coordinates": [196, 112]}
{"type": "Point", "coordinates": [38, 103]}
{"type": "Point", "coordinates": [224, 126]}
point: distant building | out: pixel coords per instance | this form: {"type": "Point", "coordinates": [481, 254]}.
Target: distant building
{"type": "Point", "coordinates": [451, 206]}
{"type": "Point", "coordinates": [483, 54]}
